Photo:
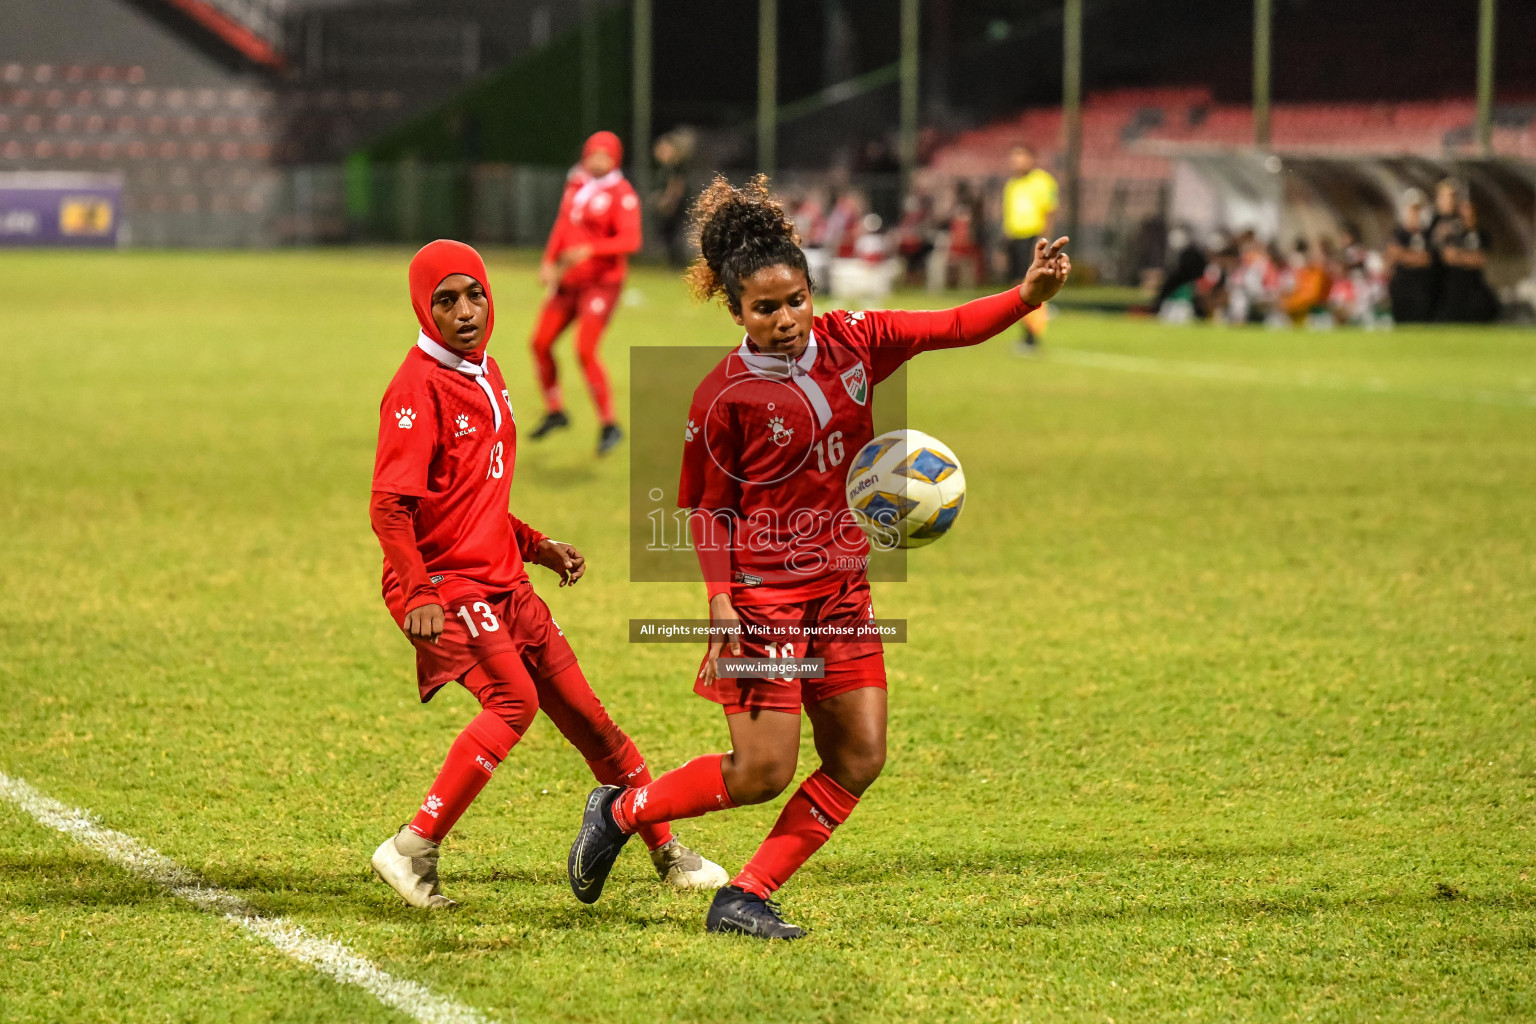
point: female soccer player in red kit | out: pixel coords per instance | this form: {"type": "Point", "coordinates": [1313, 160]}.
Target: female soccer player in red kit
{"type": "Point", "coordinates": [766, 437]}
{"type": "Point", "coordinates": [583, 271]}
{"type": "Point", "coordinates": [454, 576]}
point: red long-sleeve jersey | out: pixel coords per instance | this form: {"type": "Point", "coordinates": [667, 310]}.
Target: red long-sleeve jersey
{"type": "Point", "coordinates": [441, 482]}
{"type": "Point", "coordinates": [602, 214]}
{"type": "Point", "coordinates": [767, 442]}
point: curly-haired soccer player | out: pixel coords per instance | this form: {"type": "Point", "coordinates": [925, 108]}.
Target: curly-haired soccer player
{"type": "Point", "coordinates": [767, 437]}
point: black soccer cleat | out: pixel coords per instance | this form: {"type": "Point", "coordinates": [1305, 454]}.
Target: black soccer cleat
{"type": "Point", "coordinates": [738, 912]}
{"type": "Point", "coordinates": [552, 421]}
{"type": "Point", "coordinates": [597, 845]}
{"type": "Point", "coordinates": [609, 439]}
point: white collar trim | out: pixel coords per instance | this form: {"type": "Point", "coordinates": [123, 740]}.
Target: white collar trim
{"type": "Point", "coordinates": [592, 186]}
{"type": "Point", "coordinates": [450, 358]}
{"type": "Point", "coordinates": [766, 364]}
{"type": "Point", "coordinates": [453, 361]}
{"type": "Point", "coordinates": [797, 372]}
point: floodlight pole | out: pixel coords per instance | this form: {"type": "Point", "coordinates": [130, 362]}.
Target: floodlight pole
{"type": "Point", "coordinates": [640, 90]}
{"type": "Point", "coordinates": [910, 15]}
{"type": "Point", "coordinates": [1485, 77]}
{"type": "Point", "coordinates": [1263, 20]}
{"type": "Point", "coordinates": [591, 67]}
{"type": "Point", "coordinates": [767, 83]}
{"type": "Point", "coordinates": [1072, 108]}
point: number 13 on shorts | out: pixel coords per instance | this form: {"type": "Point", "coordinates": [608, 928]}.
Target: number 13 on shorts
{"type": "Point", "coordinates": [487, 616]}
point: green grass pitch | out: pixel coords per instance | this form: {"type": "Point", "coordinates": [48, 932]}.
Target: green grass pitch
{"type": "Point", "coordinates": [1219, 703]}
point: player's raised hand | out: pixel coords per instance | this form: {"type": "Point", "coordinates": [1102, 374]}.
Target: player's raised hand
{"type": "Point", "coordinates": [1047, 273]}
{"type": "Point", "coordinates": [424, 623]}
{"type": "Point", "coordinates": [562, 559]}
{"type": "Point", "coordinates": [724, 635]}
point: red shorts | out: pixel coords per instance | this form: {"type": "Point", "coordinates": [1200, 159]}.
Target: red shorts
{"type": "Point", "coordinates": [478, 625]}
{"type": "Point", "coordinates": [850, 664]}
{"type": "Point", "coordinates": [585, 300]}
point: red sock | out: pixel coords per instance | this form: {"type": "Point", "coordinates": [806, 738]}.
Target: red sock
{"type": "Point", "coordinates": [626, 768]}
{"type": "Point", "coordinates": [696, 788]}
{"type": "Point", "coordinates": [474, 755]}
{"type": "Point", "coordinates": [568, 700]}
{"type": "Point", "coordinates": [807, 821]}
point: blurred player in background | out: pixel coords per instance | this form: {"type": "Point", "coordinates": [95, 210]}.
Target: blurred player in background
{"type": "Point", "coordinates": [455, 581]}
{"type": "Point", "coordinates": [764, 447]}
{"type": "Point", "coordinates": [1029, 211]}
{"type": "Point", "coordinates": [585, 262]}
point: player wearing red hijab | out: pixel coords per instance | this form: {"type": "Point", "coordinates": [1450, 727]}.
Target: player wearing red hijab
{"type": "Point", "coordinates": [583, 271]}
{"type": "Point", "coordinates": [455, 581]}
{"type": "Point", "coordinates": [763, 455]}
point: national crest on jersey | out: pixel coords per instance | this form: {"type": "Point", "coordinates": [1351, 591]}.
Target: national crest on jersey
{"type": "Point", "coordinates": [856, 383]}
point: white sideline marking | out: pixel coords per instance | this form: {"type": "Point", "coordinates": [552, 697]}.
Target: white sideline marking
{"type": "Point", "coordinates": [1256, 375]}
{"type": "Point", "coordinates": [327, 956]}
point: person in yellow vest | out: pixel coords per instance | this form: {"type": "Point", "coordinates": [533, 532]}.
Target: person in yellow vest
{"type": "Point", "coordinates": [1029, 207]}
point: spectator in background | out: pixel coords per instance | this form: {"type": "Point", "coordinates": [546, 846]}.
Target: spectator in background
{"type": "Point", "coordinates": [871, 245]}
{"type": "Point", "coordinates": [1176, 300]}
{"type": "Point", "coordinates": [1312, 282]}
{"type": "Point", "coordinates": [811, 224]}
{"type": "Point", "coordinates": [1464, 295]}
{"type": "Point", "coordinates": [842, 228]}
{"type": "Point", "coordinates": [966, 256]}
{"type": "Point", "coordinates": [1354, 297]}
{"type": "Point", "coordinates": [673, 151]}
{"type": "Point", "coordinates": [1446, 219]}
{"type": "Point", "coordinates": [881, 171]}
{"type": "Point", "coordinates": [914, 237]}
{"type": "Point", "coordinates": [1254, 288]}
{"type": "Point", "coordinates": [1029, 208]}
{"type": "Point", "coordinates": [1352, 251]}
{"type": "Point", "coordinates": [1213, 289]}
{"type": "Point", "coordinates": [811, 220]}
{"type": "Point", "coordinates": [1411, 286]}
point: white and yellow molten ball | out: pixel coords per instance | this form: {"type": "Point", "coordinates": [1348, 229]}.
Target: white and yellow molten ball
{"type": "Point", "coordinates": [906, 489]}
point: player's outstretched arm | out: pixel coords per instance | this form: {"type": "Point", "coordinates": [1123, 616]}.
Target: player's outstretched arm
{"type": "Point", "coordinates": [898, 335]}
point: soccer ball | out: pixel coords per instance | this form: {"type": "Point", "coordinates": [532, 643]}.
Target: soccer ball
{"type": "Point", "coordinates": [906, 489]}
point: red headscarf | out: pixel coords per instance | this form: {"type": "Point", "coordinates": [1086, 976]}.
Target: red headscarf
{"type": "Point", "coordinates": [604, 142]}
{"type": "Point", "coordinates": [431, 264]}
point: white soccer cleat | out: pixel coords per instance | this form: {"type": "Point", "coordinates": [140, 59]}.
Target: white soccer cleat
{"type": "Point", "coordinates": [682, 868]}
{"type": "Point", "coordinates": [407, 863]}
